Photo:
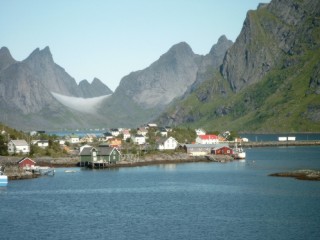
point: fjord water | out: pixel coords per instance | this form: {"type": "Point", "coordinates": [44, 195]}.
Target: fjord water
{"type": "Point", "coordinates": [236, 200]}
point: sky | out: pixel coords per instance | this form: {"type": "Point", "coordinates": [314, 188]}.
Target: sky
{"type": "Point", "coordinates": [108, 39]}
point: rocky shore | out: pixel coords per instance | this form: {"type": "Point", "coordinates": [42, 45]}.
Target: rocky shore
{"type": "Point", "coordinates": [304, 174]}
{"type": "Point", "coordinates": [14, 173]}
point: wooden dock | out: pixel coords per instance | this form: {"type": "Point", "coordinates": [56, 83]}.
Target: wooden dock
{"type": "Point", "coordinates": [49, 171]}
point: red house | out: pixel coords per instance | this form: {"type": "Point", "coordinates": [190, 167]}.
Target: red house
{"type": "Point", "coordinates": [222, 150]}
{"type": "Point", "coordinates": [26, 163]}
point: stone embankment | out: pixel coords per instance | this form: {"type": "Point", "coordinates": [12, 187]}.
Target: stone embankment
{"type": "Point", "coordinates": [163, 158]}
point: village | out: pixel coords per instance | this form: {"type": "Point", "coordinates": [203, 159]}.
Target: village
{"type": "Point", "coordinates": [121, 147]}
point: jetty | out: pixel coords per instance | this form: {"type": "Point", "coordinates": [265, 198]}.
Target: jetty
{"type": "Point", "coordinates": [280, 143]}
{"type": "Point", "coordinates": [42, 171]}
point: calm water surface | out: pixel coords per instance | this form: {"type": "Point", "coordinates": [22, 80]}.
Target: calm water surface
{"type": "Point", "coordinates": [236, 200]}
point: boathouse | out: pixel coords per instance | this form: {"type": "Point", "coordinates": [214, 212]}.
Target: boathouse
{"type": "Point", "coordinates": [99, 156]}
{"type": "Point", "coordinates": [26, 163]}
{"type": "Point", "coordinates": [221, 150]}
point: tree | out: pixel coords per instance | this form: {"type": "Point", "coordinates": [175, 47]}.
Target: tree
{"type": "Point", "coordinates": [3, 146]}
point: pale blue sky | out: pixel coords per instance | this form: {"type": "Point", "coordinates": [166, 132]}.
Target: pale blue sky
{"type": "Point", "coordinates": [108, 39]}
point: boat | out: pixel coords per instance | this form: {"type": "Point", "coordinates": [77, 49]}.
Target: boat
{"type": "Point", "coordinates": [239, 153]}
{"type": "Point", "coordinates": [3, 179]}
{"type": "Point", "coordinates": [70, 171]}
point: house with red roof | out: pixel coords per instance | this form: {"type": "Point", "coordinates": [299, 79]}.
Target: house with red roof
{"type": "Point", "coordinates": [207, 139]}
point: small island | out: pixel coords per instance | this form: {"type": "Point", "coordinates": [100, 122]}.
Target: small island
{"type": "Point", "coordinates": [303, 174]}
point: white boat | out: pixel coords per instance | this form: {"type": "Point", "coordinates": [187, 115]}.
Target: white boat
{"type": "Point", "coordinates": [239, 153]}
{"type": "Point", "coordinates": [3, 179]}
{"type": "Point", "coordinates": [70, 171]}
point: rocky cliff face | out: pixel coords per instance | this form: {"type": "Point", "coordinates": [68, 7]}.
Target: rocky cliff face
{"type": "Point", "coordinates": [26, 86]}
{"type": "Point", "coordinates": [270, 75]}
{"type": "Point", "coordinates": [210, 62]}
{"type": "Point", "coordinates": [269, 32]}
{"type": "Point", "coordinates": [95, 89]}
{"type": "Point", "coordinates": [5, 58]}
{"type": "Point", "coordinates": [162, 81]}
{"type": "Point", "coordinates": [142, 95]}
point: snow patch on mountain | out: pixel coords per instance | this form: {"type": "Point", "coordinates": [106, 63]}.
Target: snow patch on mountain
{"type": "Point", "coordinates": [85, 105]}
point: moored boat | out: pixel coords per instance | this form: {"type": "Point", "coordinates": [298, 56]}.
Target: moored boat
{"type": "Point", "coordinates": [239, 153]}
{"type": "Point", "coordinates": [3, 179]}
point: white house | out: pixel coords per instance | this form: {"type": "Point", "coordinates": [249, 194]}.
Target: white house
{"type": "Point", "coordinates": [126, 134]}
{"type": "Point", "coordinates": [138, 139]}
{"type": "Point", "coordinates": [18, 146]}
{"type": "Point", "coordinates": [167, 144]}
{"type": "Point", "coordinates": [115, 132]}
{"type": "Point", "coordinates": [142, 131]}
{"type": "Point", "coordinates": [152, 125]}
{"type": "Point", "coordinates": [73, 138]}
{"type": "Point", "coordinates": [41, 143]}
{"type": "Point", "coordinates": [200, 131]}
{"type": "Point", "coordinates": [163, 132]}
{"type": "Point", "coordinates": [207, 139]}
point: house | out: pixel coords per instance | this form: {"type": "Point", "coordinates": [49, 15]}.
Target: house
{"type": "Point", "coordinates": [126, 134]}
{"type": "Point", "coordinates": [200, 131]}
{"type": "Point", "coordinates": [114, 142]}
{"type": "Point", "coordinates": [18, 147]}
{"type": "Point", "coordinates": [73, 138]}
{"type": "Point", "coordinates": [26, 163]}
{"type": "Point", "coordinates": [163, 132]}
{"type": "Point", "coordinates": [115, 132]}
{"type": "Point", "coordinates": [88, 138]}
{"type": "Point", "coordinates": [41, 143]}
{"type": "Point", "coordinates": [198, 149]}
{"type": "Point", "coordinates": [107, 136]}
{"type": "Point", "coordinates": [138, 139]}
{"type": "Point", "coordinates": [221, 149]}
{"type": "Point", "coordinates": [167, 144]}
{"type": "Point", "coordinates": [207, 139]}
{"type": "Point", "coordinates": [168, 128]}
{"type": "Point", "coordinates": [152, 125]}
{"type": "Point", "coordinates": [142, 131]}
{"type": "Point", "coordinates": [99, 156]}
{"type": "Point", "coordinates": [84, 146]}
{"type": "Point", "coordinates": [60, 141]}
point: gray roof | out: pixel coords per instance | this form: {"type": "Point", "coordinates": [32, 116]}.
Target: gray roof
{"type": "Point", "coordinates": [101, 151]}
{"type": "Point", "coordinates": [218, 145]}
{"type": "Point", "coordinates": [19, 142]}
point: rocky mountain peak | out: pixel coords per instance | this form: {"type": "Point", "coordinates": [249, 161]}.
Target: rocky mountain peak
{"type": "Point", "coordinates": [221, 46]}
{"type": "Point", "coordinates": [95, 89]}
{"type": "Point", "coordinates": [43, 55]}
{"type": "Point", "coordinates": [5, 58]}
{"type": "Point", "coordinates": [181, 48]}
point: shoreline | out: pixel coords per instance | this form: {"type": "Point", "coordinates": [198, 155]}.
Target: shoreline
{"type": "Point", "coordinates": [14, 173]}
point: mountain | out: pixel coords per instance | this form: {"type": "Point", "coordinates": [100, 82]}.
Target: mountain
{"type": "Point", "coordinates": [95, 89]}
{"type": "Point", "coordinates": [142, 95]}
{"type": "Point", "coordinates": [27, 91]}
{"type": "Point", "coordinates": [269, 78]}
{"type": "Point", "coordinates": [5, 58]}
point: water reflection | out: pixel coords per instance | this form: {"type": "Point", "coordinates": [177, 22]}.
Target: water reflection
{"type": "Point", "coordinates": [168, 167]}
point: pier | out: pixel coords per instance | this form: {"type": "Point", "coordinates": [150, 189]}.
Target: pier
{"type": "Point", "coordinates": [280, 143]}
{"type": "Point", "coordinates": [42, 171]}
